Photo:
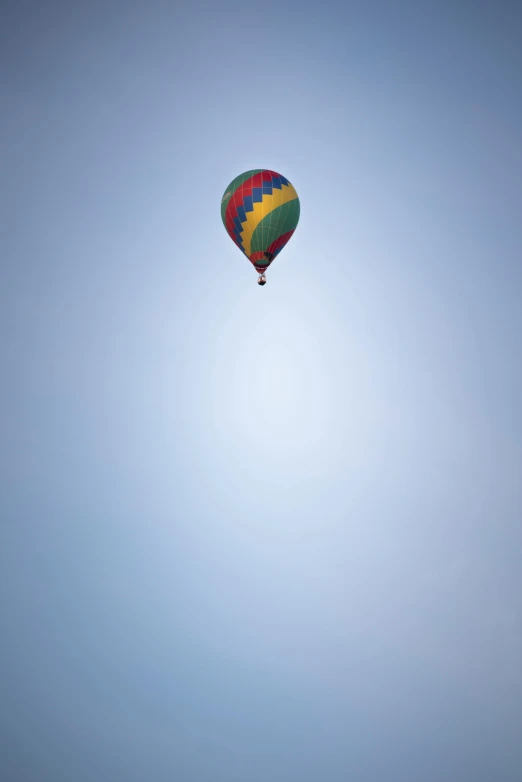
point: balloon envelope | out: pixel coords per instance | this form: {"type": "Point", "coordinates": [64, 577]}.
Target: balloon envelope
{"type": "Point", "coordinates": [260, 211]}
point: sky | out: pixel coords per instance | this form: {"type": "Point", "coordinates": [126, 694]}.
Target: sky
{"type": "Point", "coordinates": [249, 533]}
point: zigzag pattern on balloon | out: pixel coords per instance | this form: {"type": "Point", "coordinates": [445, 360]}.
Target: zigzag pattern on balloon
{"type": "Point", "coordinates": [260, 211]}
{"type": "Point", "coordinates": [246, 195]}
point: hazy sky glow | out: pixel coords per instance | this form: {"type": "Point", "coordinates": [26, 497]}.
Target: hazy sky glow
{"type": "Point", "coordinates": [254, 534]}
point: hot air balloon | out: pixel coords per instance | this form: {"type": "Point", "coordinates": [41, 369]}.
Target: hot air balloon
{"type": "Point", "coordinates": [260, 211]}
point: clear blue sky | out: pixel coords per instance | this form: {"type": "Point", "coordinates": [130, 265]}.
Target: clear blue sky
{"type": "Point", "coordinates": [261, 534]}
